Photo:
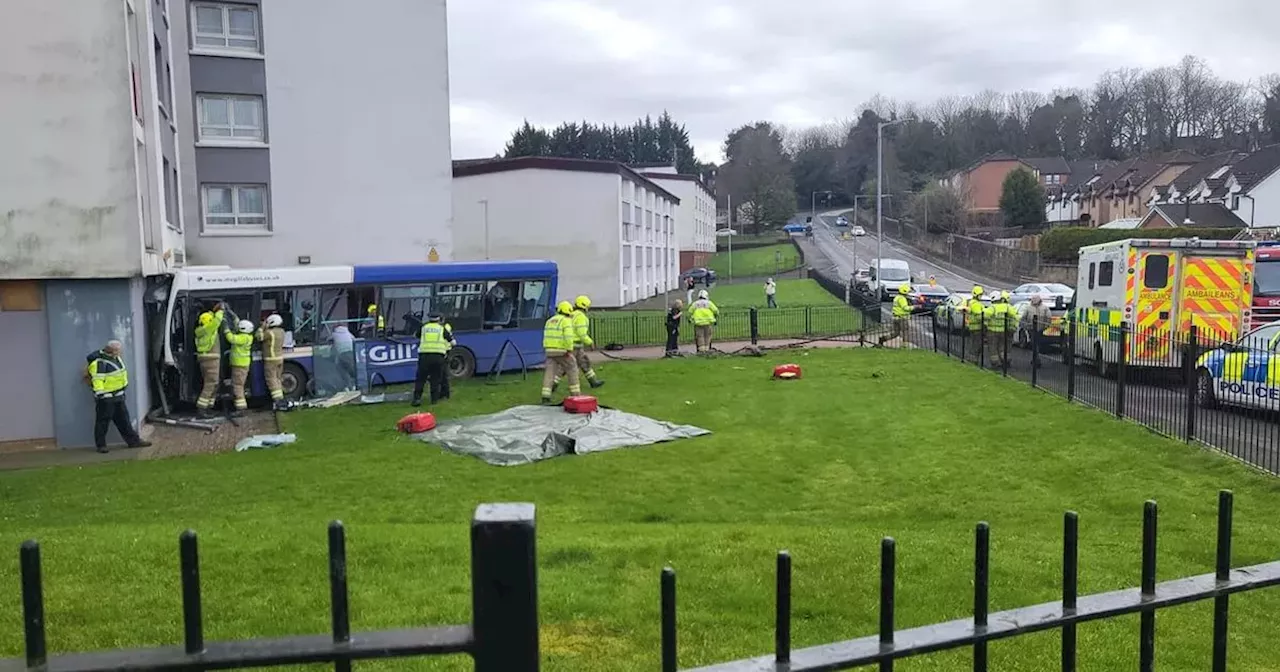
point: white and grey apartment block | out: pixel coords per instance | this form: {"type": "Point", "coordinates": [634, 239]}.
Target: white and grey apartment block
{"type": "Point", "coordinates": [611, 230]}
{"type": "Point", "coordinates": [319, 131]}
{"type": "Point", "coordinates": [90, 204]}
{"type": "Point", "coordinates": [696, 221]}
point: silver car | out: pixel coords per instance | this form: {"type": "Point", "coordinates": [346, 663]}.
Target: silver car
{"type": "Point", "coordinates": [1055, 294]}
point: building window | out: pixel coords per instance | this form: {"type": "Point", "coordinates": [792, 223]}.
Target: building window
{"type": "Point", "coordinates": [226, 27]}
{"type": "Point", "coordinates": [1235, 202]}
{"type": "Point", "coordinates": [235, 207]}
{"type": "Point", "coordinates": [230, 118]}
{"type": "Point", "coordinates": [162, 84]}
{"type": "Point", "coordinates": [170, 206]}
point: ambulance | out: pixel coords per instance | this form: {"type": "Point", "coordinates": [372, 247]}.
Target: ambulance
{"type": "Point", "coordinates": [1160, 289]}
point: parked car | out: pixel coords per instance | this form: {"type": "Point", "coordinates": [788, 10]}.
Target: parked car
{"type": "Point", "coordinates": [925, 298]}
{"type": "Point", "coordinates": [1241, 373]}
{"type": "Point", "coordinates": [842, 221]}
{"type": "Point", "coordinates": [701, 275]}
{"type": "Point", "coordinates": [1051, 334]}
{"type": "Point", "coordinates": [1056, 294]}
{"type": "Point", "coordinates": [949, 316]}
{"type": "Point", "coordinates": [857, 230]}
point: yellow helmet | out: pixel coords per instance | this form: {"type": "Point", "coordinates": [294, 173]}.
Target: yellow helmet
{"type": "Point", "coordinates": [582, 302]}
{"type": "Point", "coordinates": [373, 308]}
{"type": "Point", "coordinates": [1005, 296]}
{"type": "Point", "coordinates": [564, 307]}
{"type": "Point", "coordinates": [977, 291]}
{"type": "Point", "coordinates": [205, 319]}
{"type": "Point", "coordinates": [904, 288]}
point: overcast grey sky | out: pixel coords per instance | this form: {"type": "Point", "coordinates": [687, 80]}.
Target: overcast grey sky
{"type": "Point", "coordinates": [717, 64]}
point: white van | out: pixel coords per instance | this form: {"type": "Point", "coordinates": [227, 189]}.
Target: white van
{"type": "Point", "coordinates": [886, 280]}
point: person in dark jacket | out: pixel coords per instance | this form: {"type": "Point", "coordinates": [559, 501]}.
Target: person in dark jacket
{"type": "Point", "coordinates": [109, 379]}
{"type": "Point", "coordinates": [674, 315]}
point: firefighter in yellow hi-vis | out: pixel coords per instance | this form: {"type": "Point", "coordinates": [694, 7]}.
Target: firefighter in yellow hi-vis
{"type": "Point", "coordinates": [582, 341]}
{"type": "Point", "coordinates": [209, 356]}
{"type": "Point", "coordinates": [557, 342]}
{"type": "Point", "coordinates": [241, 357]}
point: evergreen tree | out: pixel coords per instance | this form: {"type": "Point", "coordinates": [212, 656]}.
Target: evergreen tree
{"type": "Point", "coordinates": [1022, 200]}
{"type": "Point", "coordinates": [528, 140]}
{"type": "Point", "coordinates": [644, 141]}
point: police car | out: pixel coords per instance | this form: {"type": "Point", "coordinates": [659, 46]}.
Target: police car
{"type": "Point", "coordinates": [1244, 373]}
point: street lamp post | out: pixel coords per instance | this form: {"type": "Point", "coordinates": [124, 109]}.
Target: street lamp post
{"type": "Point", "coordinates": [880, 188]}
{"type": "Point", "coordinates": [813, 203]}
{"type": "Point", "coordinates": [484, 203]}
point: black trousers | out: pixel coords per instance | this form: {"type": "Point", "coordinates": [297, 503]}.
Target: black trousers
{"type": "Point", "coordinates": [431, 375]}
{"type": "Point", "coordinates": [108, 411]}
{"type": "Point", "coordinates": [673, 338]}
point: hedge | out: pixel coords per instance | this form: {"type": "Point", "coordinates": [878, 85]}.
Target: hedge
{"type": "Point", "coordinates": [1063, 244]}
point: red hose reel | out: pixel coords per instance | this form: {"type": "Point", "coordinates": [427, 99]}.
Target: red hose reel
{"type": "Point", "coordinates": [786, 372]}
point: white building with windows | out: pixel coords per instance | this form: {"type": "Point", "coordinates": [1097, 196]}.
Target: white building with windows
{"type": "Point", "coordinates": [90, 210]}
{"type": "Point", "coordinates": [611, 230]}
{"type": "Point", "coordinates": [696, 218]}
{"type": "Point", "coordinates": [327, 144]}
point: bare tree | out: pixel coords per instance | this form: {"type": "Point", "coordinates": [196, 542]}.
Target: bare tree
{"type": "Point", "coordinates": [1021, 104]}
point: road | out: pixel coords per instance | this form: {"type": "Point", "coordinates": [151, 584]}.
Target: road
{"type": "Point", "coordinates": [861, 251]}
{"type": "Point", "coordinates": [1158, 400]}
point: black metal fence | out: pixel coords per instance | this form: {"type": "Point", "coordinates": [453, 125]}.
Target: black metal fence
{"type": "Point", "coordinates": [984, 627]}
{"type": "Point", "coordinates": [851, 319]}
{"type": "Point", "coordinates": [503, 634]}
{"type": "Point", "coordinates": [1195, 385]}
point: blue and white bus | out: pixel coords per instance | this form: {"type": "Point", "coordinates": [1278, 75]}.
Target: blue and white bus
{"type": "Point", "coordinates": [496, 309]}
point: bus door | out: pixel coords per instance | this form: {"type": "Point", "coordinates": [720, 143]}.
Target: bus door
{"type": "Point", "coordinates": [239, 306]}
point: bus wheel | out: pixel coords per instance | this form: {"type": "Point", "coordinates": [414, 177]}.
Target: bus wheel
{"type": "Point", "coordinates": [293, 379]}
{"type": "Point", "coordinates": [461, 363]}
{"type": "Point", "coordinates": [1204, 389]}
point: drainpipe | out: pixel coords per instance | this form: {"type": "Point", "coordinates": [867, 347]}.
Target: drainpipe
{"type": "Point", "coordinates": [1253, 208]}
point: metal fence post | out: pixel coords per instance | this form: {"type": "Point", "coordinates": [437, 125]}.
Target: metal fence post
{"type": "Point", "coordinates": [982, 345]}
{"type": "Point", "coordinates": [504, 588]}
{"type": "Point", "coordinates": [755, 325]}
{"type": "Point", "coordinates": [635, 327]}
{"type": "Point", "coordinates": [1004, 346]}
{"type": "Point", "coordinates": [935, 337]}
{"type": "Point", "coordinates": [1189, 353]}
{"type": "Point", "coordinates": [1035, 350]}
{"type": "Point", "coordinates": [1120, 368]}
{"type": "Point", "coordinates": [1069, 354]}
{"type": "Point", "coordinates": [33, 606]}
{"type": "Point", "coordinates": [808, 321]}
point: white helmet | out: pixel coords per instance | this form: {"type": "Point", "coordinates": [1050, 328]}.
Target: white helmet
{"type": "Point", "coordinates": [274, 320]}
{"type": "Point", "coordinates": [702, 294]}
{"type": "Point", "coordinates": [245, 326]}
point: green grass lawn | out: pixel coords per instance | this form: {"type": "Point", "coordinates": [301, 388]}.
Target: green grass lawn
{"type": "Point", "coordinates": [791, 293]}
{"type": "Point", "coordinates": [755, 261]}
{"type": "Point", "coordinates": [743, 239]}
{"type": "Point", "coordinates": [824, 467]}
{"type": "Point", "coordinates": [804, 309]}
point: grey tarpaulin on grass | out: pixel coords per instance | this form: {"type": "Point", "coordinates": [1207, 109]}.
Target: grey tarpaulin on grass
{"type": "Point", "coordinates": [527, 434]}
